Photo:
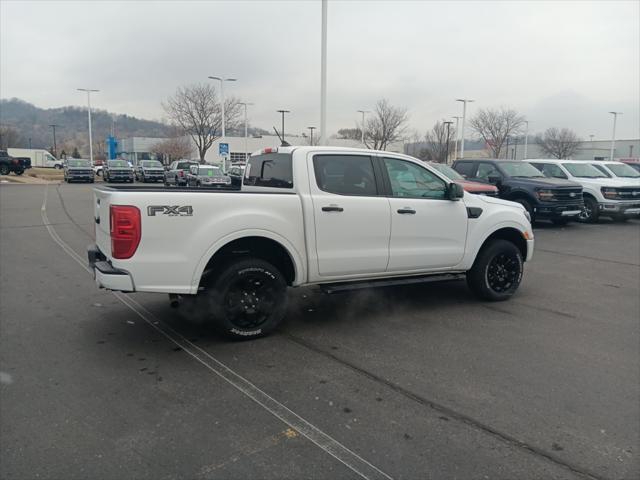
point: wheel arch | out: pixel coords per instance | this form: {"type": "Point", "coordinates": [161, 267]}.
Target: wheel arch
{"type": "Point", "coordinates": [260, 244]}
{"type": "Point", "coordinates": [510, 234]}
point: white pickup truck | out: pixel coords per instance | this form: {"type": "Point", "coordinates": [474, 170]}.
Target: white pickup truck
{"type": "Point", "coordinates": [335, 217]}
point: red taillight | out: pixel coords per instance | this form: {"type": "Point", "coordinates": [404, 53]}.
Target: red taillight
{"type": "Point", "coordinates": [125, 230]}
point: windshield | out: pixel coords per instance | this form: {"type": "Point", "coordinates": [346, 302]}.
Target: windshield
{"type": "Point", "coordinates": [209, 172]}
{"type": "Point", "coordinates": [118, 164]}
{"type": "Point", "coordinates": [447, 170]}
{"type": "Point", "coordinates": [520, 169]}
{"type": "Point", "coordinates": [583, 170]}
{"type": "Point", "coordinates": [184, 165]}
{"type": "Point", "coordinates": [622, 170]}
{"type": "Point", "coordinates": [151, 164]}
{"type": "Point", "coordinates": [78, 163]}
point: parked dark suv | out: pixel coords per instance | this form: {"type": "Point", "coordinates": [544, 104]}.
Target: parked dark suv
{"type": "Point", "coordinates": [544, 198]}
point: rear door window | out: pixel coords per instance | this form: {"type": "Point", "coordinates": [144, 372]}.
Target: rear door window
{"type": "Point", "coordinates": [270, 170]}
{"type": "Point", "coordinates": [467, 169]}
{"type": "Point", "coordinates": [345, 174]}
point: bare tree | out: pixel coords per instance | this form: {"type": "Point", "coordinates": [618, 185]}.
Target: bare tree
{"type": "Point", "coordinates": [494, 126]}
{"type": "Point", "coordinates": [559, 143]}
{"type": "Point", "coordinates": [439, 143]}
{"type": "Point", "coordinates": [350, 133]}
{"type": "Point", "coordinates": [197, 111]}
{"type": "Point", "coordinates": [173, 148]}
{"type": "Point", "coordinates": [385, 125]}
{"type": "Point", "coordinates": [9, 137]}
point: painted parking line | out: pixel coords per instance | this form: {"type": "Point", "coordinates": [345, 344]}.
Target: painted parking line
{"type": "Point", "coordinates": [324, 441]}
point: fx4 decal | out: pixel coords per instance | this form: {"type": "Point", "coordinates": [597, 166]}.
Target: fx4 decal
{"type": "Point", "coordinates": [172, 211]}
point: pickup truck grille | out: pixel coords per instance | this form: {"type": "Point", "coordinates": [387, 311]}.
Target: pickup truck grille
{"type": "Point", "coordinates": [567, 195]}
{"type": "Point", "coordinates": [81, 172]}
{"type": "Point", "coordinates": [629, 193]}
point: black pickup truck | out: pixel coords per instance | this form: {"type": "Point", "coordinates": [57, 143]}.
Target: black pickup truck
{"type": "Point", "coordinates": [10, 164]}
{"type": "Point", "coordinates": [544, 198]}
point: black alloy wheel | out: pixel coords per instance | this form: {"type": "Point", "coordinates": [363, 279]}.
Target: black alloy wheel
{"type": "Point", "coordinates": [503, 272]}
{"type": "Point", "coordinates": [497, 271]}
{"type": "Point", "coordinates": [4, 169]}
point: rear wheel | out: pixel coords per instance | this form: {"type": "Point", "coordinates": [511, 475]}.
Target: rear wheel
{"type": "Point", "coordinates": [19, 171]}
{"type": "Point", "coordinates": [247, 299]}
{"type": "Point", "coordinates": [590, 212]}
{"type": "Point", "coordinates": [497, 271]}
{"type": "Point", "coordinates": [4, 169]}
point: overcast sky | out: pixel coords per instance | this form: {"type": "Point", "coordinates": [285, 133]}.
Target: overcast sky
{"type": "Point", "coordinates": [558, 63]}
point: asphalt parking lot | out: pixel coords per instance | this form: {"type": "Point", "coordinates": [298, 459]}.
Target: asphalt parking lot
{"type": "Point", "coordinates": [415, 382]}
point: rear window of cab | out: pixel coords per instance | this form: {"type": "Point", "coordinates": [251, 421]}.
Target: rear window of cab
{"type": "Point", "coordinates": [269, 170]}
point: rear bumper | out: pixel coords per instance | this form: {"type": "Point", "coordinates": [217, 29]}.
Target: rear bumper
{"type": "Point", "coordinates": [106, 275]}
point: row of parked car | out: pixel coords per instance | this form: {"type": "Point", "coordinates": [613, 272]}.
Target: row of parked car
{"type": "Point", "coordinates": [557, 190]}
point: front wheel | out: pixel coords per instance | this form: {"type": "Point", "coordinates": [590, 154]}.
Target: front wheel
{"type": "Point", "coordinates": [58, 167]}
{"type": "Point", "coordinates": [497, 271]}
{"type": "Point", "coordinates": [590, 211]}
{"type": "Point", "coordinates": [247, 299]}
{"type": "Point", "coordinates": [4, 169]}
{"type": "Point", "coordinates": [19, 171]}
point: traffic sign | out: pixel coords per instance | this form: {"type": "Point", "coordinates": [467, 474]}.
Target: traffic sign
{"type": "Point", "coordinates": [223, 149]}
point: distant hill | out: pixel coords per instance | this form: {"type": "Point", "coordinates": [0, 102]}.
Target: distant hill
{"type": "Point", "coordinates": [33, 123]}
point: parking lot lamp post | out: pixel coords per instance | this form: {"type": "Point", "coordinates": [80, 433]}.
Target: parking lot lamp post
{"type": "Point", "coordinates": [446, 158]}
{"type": "Point", "coordinates": [222, 80]}
{"type": "Point", "coordinates": [311, 129]}
{"type": "Point", "coordinates": [55, 146]}
{"type": "Point", "coordinates": [323, 74]}
{"type": "Point", "coordinates": [363, 112]}
{"type": "Point", "coordinates": [464, 117]}
{"type": "Point", "coordinates": [283, 112]}
{"type": "Point", "coordinates": [455, 155]}
{"type": "Point", "coordinates": [89, 90]}
{"type": "Point", "coordinates": [613, 135]}
{"type": "Point", "coordinates": [246, 150]}
{"type": "Point", "coordinates": [526, 139]}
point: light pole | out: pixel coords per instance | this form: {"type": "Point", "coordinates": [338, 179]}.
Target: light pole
{"type": "Point", "coordinates": [246, 150]}
{"type": "Point", "coordinates": [613, 135]}
{"type": "Point", "coordinates": [311, 129]}
{"type": "Point", "coordinates": [222, 80]}
{"type": "Point", "coordinates": [363, 112]}
{"type": "Point", "coordinates": [464, 117]}
{"type": "Point", "coordinates": [323, 75]}
{"type": "Point", "coordinates": [446, 158]}
{"type": "Point", "coordinates": [455, 155]}
{"type": "Point", "coordinates": [526, 139]}
{"type": "Point", "coordinates": [89, 90]}
{"type": "Point", "coordinates": [283, 112]}
{"type": "Point", "coordinates": [55, 146]}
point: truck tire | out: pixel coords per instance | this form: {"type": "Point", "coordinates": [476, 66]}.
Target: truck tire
{"type": "Point", "coordinates": [497, 271]}
{"type": "Point", "coordinates": [20, 171]}
{"type": "Point", "coordinates": [4, 169]}
{"type": "Point", "coordinates": [590, 213]}
{"type": "Point", "coordinates": [247, 299]}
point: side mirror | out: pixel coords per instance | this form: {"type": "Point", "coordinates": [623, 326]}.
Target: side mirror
{"type": "Point", "coordinates": [455, 191]}
{"type": "Point", "coordinates": [495, 180]}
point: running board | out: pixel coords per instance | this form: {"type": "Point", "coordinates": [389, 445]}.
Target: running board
{"type": "Point", "coordinates": [388, 282]}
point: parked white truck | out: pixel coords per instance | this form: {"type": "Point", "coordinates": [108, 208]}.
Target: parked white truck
{"type": "Point", "coordinates": [335, 217]}
{"type": "Point", "coordinates": [39, 158]}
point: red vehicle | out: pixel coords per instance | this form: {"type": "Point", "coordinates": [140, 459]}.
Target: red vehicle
{"type": "Point", "coordinates": [632, 162]}
{"type": "Point", "coordinates": [469, 186]}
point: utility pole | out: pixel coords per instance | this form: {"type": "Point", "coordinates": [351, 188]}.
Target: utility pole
{"type": "Point", "coordinates": [311, 129]}
{"type": "Point", "coordinates": [455, 155]}
{"type": "Point", "coordinates": [323, 75]}
{"type": "Point", "coordinates": [464, 117]}
{"type": "Point", "coordinates": [613, 135]}
{"type": "Point", "coordinates": [89, 90]}
{"type": "Point", "coordinates": [55, 146]}
{"type": "Point", "coordinates": [446, 158]}
{"type": "Point", "coordinates": [363, 112]}
{"type": "Point", "coordinates": [246, 129]}
{"type": "Point", "coordinates": [283, 112]}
